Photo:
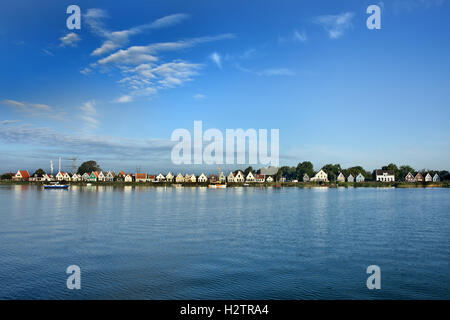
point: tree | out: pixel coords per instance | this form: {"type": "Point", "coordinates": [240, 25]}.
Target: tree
{"type": "Point", "coordinates": [39, 173]}
{"type": "Point", "coordinates": [392, 167]}
{"type": "Point", "coordinates": [403, 171]}
{"type": "Point", "coordinates": [248, 170]}
{"type": "Point", "coordinates": [88, 167]}
{"type": "Point", "coordinates": [304, 167]}
{"type": "Point", "coordinates": [332, 170]}
{"type": "Point", "coordinates": [7, 176]}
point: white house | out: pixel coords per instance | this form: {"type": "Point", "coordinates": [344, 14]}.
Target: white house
{"type": "Point", "coordinates": [110, 176]}
{"type": "Point", "coordinates": [60, 175]}
{"type": "Point", "coordinates": [360, 178]}
{"type": "Point", "coordinates": [128, 178]}
{"type": "Point", "coordinates": [428, 177]}
{"type": "Point", "coordinates": [179, 178]}
{"type": "Point", "coordinates": [191, 178]}
{"type": "Point", "coordinates": [436, 178]}
{"type": "Point", "coordinates": [231, 177]}
{"type": "Point", "coordinates": [22, 175]}
{"type": "Point", "coordinates": [351, 178]}
{"type": "Point", "coordinates": [239, 177]}
{"type": "Point", "coordinates": [47, 177]}
{"type": "Point", "coordinates": [160, 178]}
{"type": "Point", "coordinates": [305, 178]}
{"type": "Point", "coordinates": [384, 176]}
{"type": "Point", "coordinates": [85, 176]}
{"type": "Point", "coordinates": [169, 177]}
{"type": "Point", "coordinates": [222, 178]}
{"type": "Point", "coordinates": [340, 177]}
{"type": "Point", "coordinates": [202, 178]}
{"type": "Point", "coordinates": [76, 177]}
{"type": "Point", "coordinates": [101, 176]}
{"type": "Point", "coordinates": [250, 177]}
{"type": "Point", "coordinates": [269, 179]}
{"type": "Point", "coordinates": [320, 176]}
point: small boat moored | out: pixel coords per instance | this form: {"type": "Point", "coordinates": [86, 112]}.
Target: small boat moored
{"type": "Point", "coordinates": [56, 186]}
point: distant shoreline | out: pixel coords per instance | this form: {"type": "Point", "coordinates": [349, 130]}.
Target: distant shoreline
{"type": "Point", "coordinates": [368, 184]}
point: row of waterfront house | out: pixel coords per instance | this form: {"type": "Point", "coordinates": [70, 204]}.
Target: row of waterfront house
{"type": "Point", "coordinates": [239, 177]}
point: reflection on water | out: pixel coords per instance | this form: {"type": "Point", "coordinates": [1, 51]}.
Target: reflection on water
{"type": "Point", "coordinates": [235, 243]}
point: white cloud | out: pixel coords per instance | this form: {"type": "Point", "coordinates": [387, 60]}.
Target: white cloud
{"type": "Point", "coordinates": [297, 36]}
{"type": "Point", "coordinates": [199, 96]}
{"type": "Point", "coordinates": [335, 25]}
{"type": "Point", "coordinates": [47, 52]}
{"type": "Point", "coordinates": [85, 71]}
{"type": "Point", "coordinates": [89, 115]}
{"type": "Point", "coordinates": [215, 57]}
{"type": "Point", "coordinates": [124, 99]}
{"type": "Point", "coordinates": [6, 122]}
{"type": "Point", "coordinates": [35, 109]}
{"type": "Point", "coordinates": [117, 39]}
{"type": "Point", "coordinates": [268, 72]}
{"type": "Point", "coordinates": [70, 39]}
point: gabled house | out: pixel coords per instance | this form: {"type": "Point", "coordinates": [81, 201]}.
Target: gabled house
{"type": "Point", "coordinates": [110, 176]}
{"type": "Point", "coordinates": [120, 176]}
{"type": "Point", "coordinates": [169, 177]}
{"type": "Point", "coordinates": [250, 177]}
{"type": "Point", "coordinates": [436, 178]}
{"type": "Point", "coordinates": [141, 177]}
{"type": "Point", "coordinates": [85, 176]}
{"type": "Point", "coordinates": [360, 178]}
{"type": "Point", "coordinates": [160, 178]}
{"type": "Point", "coordinates": [409, 177]}
{"type": "Point", "coordinates": [47, 177]}
{"type": "Point", "coordinates": [340, 177]}
{"type": "Point", "coordinates": [418, 177]}
{"type": "Point", "coordinates": [151, 178]}
{"type": "Point", "coordinates": [128, 178]}
{"type": "Point", "coordinates": [76, 177]}
{"type": "Point", "coordinates": [61, 175]}
{"type": "Point", "coordinates": [320, 176]}
{"type": "Point", "coordinates": [305, 178]}
{"type": "Point", "coordinates": [179, 178]}
{"type": "Point", "coordinates": [384, 176]}
{"type": "Point", "coordinates": [94, 176]}
{"type": "Point", "coordinates": [213, 178]}
{"type": "Point", "coordinates": [260, 178]}
{"type": "Point", "coordinates": [269, 179]}
{"type": "Point", "coordinates": [22, 175]}
{"type": "Point", "coordinates": [101, 176]}
{"type": "Point", "coordinates": [350, 178]}
{"type": "Point", "coordinates": [239, 177]}
{"type": "Point", "coordinates": [428, 177]}
{"type": "Point", "coordinates": [66, 176]}
{"type": "Point", "coordinates": [222, 178]}
{"type": "Point", "coordinates": [202, 178]}
{"type": "Point", "coordinates": [230, 177]}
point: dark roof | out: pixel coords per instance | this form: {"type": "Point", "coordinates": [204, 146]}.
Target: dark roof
{"type": "Point", "coordinates": [380, 172]}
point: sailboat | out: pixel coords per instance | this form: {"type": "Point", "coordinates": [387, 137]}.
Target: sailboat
{"type": "Point", "coordinates": [217, 185]}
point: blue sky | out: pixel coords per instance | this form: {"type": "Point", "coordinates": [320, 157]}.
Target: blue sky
{"type": "Point", "coordinates": [115, 90]}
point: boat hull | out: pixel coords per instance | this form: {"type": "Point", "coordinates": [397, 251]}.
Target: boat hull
{"type": "Point", "coordinates": [56, 187]}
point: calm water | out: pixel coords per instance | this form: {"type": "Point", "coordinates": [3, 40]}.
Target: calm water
{"type": "Point", "coordinates": [246, 243]}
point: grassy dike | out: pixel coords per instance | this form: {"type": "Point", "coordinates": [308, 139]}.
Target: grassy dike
{"type": "Point", "coordinates": [367, 184]}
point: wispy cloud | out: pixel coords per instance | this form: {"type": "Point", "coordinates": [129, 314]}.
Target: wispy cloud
{"type": "Point", "coordinates": [6, 122]}
{"type": "Point", "coordinates": [70, 39]}
{"type": "Point", "coordinates": [35, 109]}
{"type": "Point", "coordinates": [124, 99]}
{"type": "Point", "coordinates": [199, 96]}
{"type": "Point", "coordinates": [87, 145]}
{"type": "Point", "coordinates": [268, 72]}
{"type": "Point", "coordinates": [296, 36]}
{"type": "Point", "coordinates": [215, 57]}
{"type": "Point", "coordinates": [335, 25]}
{"type": "Point", "coordinates": [47, 52]}
{"type": "Point", "coordinates": [116, 39]}
{"type": "Point", "coordinates": [89, 116]}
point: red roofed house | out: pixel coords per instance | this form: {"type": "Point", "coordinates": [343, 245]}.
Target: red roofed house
{"type": "Point", "coordinates": [260, 178]}
{"type": "Point", "coordinates": [141, 177]}
{"type": "Point", "coordinates": [418, 177]}
{"type": "Point", "coordinates": [22, 175]}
